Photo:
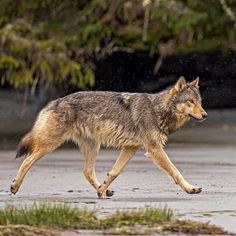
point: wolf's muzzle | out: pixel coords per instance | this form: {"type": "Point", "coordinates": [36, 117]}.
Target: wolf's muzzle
{"type": "Point", "coordinates": [204, 116]}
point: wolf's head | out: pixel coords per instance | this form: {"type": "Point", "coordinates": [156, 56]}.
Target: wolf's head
{"type": "Point", "coordinates": [187, 99]}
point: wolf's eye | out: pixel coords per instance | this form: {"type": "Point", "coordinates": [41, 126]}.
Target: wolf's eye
{"type": "Point", "coordinates": [190, 102]}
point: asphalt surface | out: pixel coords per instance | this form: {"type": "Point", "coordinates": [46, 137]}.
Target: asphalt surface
{"type": "Point", "coordinates": [58, 178]}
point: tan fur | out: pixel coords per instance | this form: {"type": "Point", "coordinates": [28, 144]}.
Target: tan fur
{"type": "Point", "coordinates": [121, 120]}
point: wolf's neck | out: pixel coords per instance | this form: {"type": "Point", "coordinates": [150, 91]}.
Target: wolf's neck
{"type": "Point", "coordinates": [178, 121]}
{"type": "Point", "coordinates": [169, 120]}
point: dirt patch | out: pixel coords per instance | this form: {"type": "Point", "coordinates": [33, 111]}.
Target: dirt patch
{"type": "Point", "coordinates": [25, 230]}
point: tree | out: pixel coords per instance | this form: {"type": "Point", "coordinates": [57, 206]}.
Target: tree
{"type": "Point", "coordinates": [56, 42]}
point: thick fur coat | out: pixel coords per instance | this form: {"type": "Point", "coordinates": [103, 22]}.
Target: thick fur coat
{"type": "Point", "coordinates": [128, 121]}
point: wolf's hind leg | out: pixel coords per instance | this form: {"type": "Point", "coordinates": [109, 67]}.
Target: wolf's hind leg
{"type": "Point", "coordinates": [160, 159]}
{"type": "Point", "coordinates": [38, 152]}
{"type": "Point", "coordinates": [27, 163]}
{"type": "Point", "coordinates": [48, 133]}
{"type": "Point", "coordinates": [124, 157]}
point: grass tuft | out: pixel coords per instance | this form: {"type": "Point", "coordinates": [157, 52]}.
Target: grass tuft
{"type": "Point", "coordinates": [138, 217]}
{"type": "Point", "coordinates": [61, 216]}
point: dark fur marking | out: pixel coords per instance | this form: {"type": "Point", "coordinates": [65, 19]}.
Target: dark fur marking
{"type": "Point", "coordinates": [122, 102]}
{"type": "Point", "coordinates": [55, 105]}
{"type": "Point", "coordinates": [22, 150]}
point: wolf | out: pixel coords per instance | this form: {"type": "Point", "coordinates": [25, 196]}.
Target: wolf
{"type": "Point", "coordinates": [128, 121]}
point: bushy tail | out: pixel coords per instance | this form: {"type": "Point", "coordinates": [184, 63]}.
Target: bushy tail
{"type": "Point", "coordinates": [25, 146]}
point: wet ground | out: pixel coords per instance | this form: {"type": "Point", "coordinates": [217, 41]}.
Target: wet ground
{"type": "Point", "coordinates": [58, 177]}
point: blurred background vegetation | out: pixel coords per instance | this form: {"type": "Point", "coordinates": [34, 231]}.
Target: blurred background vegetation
{"type": "Point", "coordinates": [52, 42]}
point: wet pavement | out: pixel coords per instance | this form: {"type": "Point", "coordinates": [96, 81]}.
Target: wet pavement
{"type": "Point", "coordinates": [58, 178]}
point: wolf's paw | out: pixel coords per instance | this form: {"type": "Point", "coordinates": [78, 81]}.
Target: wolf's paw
{"type": "Point", "coordinates": [109, 193]}
{"type": "Point", "coordinates": [105, 194]}
{"type": "Point", "coordinates": [193, 190]}
{"type": "Point", "coordinates": [14, 187]}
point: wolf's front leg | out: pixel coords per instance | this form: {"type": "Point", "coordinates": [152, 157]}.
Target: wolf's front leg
{"type": "Point", "coordinates": [160, 158]}
{"type": "Point", "coordinates": [125, 155]}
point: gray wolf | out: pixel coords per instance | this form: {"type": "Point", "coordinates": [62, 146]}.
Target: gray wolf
{"type": "Point", "coordinates": [128, 121]}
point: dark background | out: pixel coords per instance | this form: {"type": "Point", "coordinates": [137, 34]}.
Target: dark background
{"type": "Point", "coordinates": [133, 72]}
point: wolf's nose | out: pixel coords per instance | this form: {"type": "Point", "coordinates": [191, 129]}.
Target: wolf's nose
{"type": "Point", "coordinates": [204, 116]}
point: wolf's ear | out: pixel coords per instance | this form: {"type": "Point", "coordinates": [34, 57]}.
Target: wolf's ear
{"type": "Point", "coordinates": [181, 84]}
{"type": "Point", "coordinates": [195, 82]}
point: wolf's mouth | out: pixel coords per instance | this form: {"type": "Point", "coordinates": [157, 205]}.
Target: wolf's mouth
{"type": "Point", "coordinates": [197, 118]}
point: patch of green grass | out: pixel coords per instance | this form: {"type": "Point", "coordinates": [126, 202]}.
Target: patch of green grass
{"type": "Point", "coordinates": [140, 217]}
{"type": "Point", "coordinates": [40, 219]}
{"type": "Point", "coordinates": [61, 216]}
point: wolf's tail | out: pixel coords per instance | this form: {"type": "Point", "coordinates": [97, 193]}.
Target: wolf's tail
{"type": "Point", "coordinates": [25, 146]}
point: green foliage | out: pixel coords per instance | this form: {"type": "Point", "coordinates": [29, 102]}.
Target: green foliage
{"type": "Point", "coordinates": [9, 62]}
{"type": "Point", "coordinates": [56, 42]}
{"type": "Point", "coordinates": [26, 56]}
